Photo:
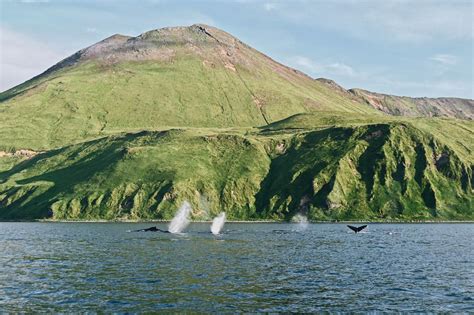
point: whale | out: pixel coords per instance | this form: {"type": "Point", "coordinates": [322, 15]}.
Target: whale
{"type": "Point", "coordinates": [357, 229]}
{"type": "Point", "coordinates": [151, 229]}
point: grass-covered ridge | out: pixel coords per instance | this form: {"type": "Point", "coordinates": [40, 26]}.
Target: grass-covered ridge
{"type": "Point", "coordinates": [373, 172]}
{"type": "Point", "coordinates": [91, 101]}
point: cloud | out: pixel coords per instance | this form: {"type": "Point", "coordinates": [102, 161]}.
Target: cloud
{"type": "Point", "coordinates": [390, 20]}
{"type": "Point", "coordinates": [445, 59]}
{"type": "Point", "coordinates": [318, 69]}
{"type": "Point", "coordinates": [34, 1]}
{"type": "Point", "coordinates": [22, 57]}
{"type": "Point", "coordinates": [385, 81]}
{"type": "Point", "coordinates": [91, 30]}
{"type": "Point", "coordinates": [424, 88]}
{"type": "Point", "coordinates": [389, 82]}
{"type": "Point", "coordinates": [422, 20]}
{"type": "Point", "coordinates": [269, 6]}
{"type": "Point", "coordinates": [340, 69]}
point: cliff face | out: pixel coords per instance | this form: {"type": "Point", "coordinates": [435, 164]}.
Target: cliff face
{"type": "Point", "coordinates": [418, 107]}
{"type": "Point", "coordinates": [448, 107]}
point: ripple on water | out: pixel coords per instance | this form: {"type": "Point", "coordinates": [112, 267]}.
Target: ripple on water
{"type": "Point", "coordinates": [251, 267]}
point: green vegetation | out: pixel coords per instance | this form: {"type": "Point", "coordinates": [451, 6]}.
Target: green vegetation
{"type": "Point", "coordinates": [89, 101]}
{"type": "Point", "coordinates": [194, 114]}
{"type": "Point", "coordinates": [379, 171]}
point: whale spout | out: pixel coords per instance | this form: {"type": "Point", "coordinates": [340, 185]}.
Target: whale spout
{"type": "Point", "coordinates": [181, 219]}
{"type": "Point", "coordinates": [218, 224]}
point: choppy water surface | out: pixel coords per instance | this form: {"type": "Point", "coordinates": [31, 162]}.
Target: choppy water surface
{"type": "Point", "coordinates": [251, 267]}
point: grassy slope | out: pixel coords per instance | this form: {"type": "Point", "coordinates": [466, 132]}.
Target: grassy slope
{"type": "Point", "coordinates": [130, 175]}
{"type": "Point", "coordinates": [90, 100]}
{"type": "Point", "coordinates": [455, 133]}
{"type": "Point", "coordinates": [375, 171]}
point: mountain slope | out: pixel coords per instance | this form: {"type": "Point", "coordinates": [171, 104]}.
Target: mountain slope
{"type": "Point", "coordinates": [195, 76]}
{"type": "Point", "coordinates": [132, 126]}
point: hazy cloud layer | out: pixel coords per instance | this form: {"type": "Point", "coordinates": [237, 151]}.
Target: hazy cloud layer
{"type": "Point", "coordinates": [400, 20]}
{"type": "Point", "coordinates": [321, 69]}
{"type": "Point", "coordinates": [445, 59]}
{"type": "Point", "coordinates": [22, 57]}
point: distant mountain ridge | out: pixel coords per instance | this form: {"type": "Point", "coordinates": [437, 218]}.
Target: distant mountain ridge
{"type": "Point", "coordinates": [451, 107]}
{"type": "Point", "coordinates": [418, 106]}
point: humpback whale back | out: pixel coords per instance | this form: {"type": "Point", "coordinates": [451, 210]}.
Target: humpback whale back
{"type": "Point", "coordinates": [151, 229]}
{"type": "Point", "coordinates": [357, 229]}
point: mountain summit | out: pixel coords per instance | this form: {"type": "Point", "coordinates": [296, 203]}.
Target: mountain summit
{"type": "Point", "coordinates": [163, 45]}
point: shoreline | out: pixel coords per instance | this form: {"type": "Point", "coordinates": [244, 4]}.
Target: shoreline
{"type": "Point", "coordinates": [248, 222]}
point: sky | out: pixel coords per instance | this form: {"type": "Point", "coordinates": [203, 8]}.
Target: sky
{"type": "Point", "coordinates": [412, 48]}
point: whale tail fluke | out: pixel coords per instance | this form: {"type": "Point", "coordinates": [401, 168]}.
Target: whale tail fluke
{"type": "Point", "coordinates": [357, 229]}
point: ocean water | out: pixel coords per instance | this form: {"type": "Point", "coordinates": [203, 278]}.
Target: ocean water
{"type": "Point", "coordinates": [70, 267]}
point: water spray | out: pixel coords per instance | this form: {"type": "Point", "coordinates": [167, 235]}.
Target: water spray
{"type": "Point", "coordinates": [218, 224]}
{"type": "Point", "coordinates": [181, 219]}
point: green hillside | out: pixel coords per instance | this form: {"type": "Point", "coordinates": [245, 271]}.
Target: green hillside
{"type": "Point", "coordinates": [131, 127]}
{"type": "Point", "coordinates": [379, 171]}
{"type": "Point", "coordinates": [195, 76]}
